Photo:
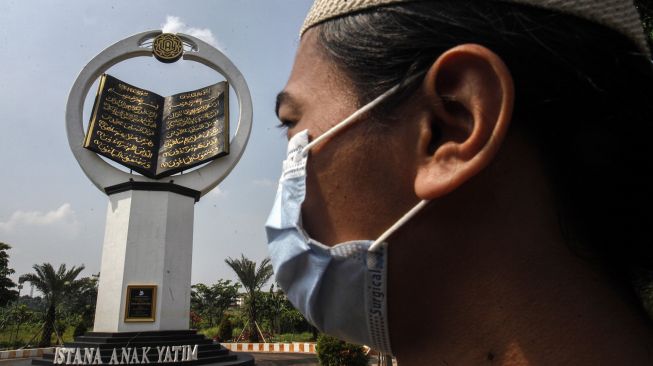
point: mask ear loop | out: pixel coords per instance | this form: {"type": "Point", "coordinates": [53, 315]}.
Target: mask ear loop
{"type": "Point", "coordinates": [378, 243]}
{"type": "Point", "coordinates": [381, 241]}
{"type": "Point", "coordinates": [356, 115]}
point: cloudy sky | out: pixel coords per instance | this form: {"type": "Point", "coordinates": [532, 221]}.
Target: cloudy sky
{"type": "Point", "coordinates": [49, 210]}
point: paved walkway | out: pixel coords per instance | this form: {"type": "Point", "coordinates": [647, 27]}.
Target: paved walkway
{"type": "Point", "coordinates": [262, 359]}
{"type": "Point", "coordinates": [283, 359]}
{"type": "Point", "coordinates": [278, 359]}
{"type": "Point", "coordinates": [16, 362]}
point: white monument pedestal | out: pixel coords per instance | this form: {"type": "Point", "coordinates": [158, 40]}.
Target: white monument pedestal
{"type": "Point", "coordinates": [148, 241]}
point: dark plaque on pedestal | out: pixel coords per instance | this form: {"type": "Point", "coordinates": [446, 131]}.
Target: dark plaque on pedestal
{"type": "Point", "coordinates": [141, 303]}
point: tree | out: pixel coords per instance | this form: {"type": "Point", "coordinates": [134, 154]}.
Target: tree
{"type": "Point", "coordinates": [20, 315]}
{"type": "Point", "coordinates": [7, 295]}
{"type": "Point", "coordinates": [281, 315]}
{"type": "Point", "coordinates": [79, 307]}
{"type": "Point", "coordinates": [252, 280]}
{"type": "Point", "coordinates": [55, 286]}
{"type": "Point", "coordinates": [273, 304]}
{"type": "Point", "coordinates": [210, 302]}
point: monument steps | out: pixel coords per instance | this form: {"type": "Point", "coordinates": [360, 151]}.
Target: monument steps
{"type": "Point", "coordinates": [143, 343]}
{"type": "Point", "coordinates": [208, 352]}
{"type": "Point", "coordinates": [92, 337]}
{"type": "Point", "coordinates": [214, 350]}
{"type": "Point", "coordinates": [157, 333]}
{"type": "Point", "coordinates": [201, 361]}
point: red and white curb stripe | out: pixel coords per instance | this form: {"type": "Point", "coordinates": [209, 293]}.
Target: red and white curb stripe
{"type": "Point", "coordinates": [307, 347]}
{"type": "Point", "coordinates": [304, 347]}
{"type": "Point", "coordinates": [22, 353]}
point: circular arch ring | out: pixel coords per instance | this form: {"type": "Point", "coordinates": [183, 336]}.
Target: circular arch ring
{"type": "Point", "coordinates": [203, 179]}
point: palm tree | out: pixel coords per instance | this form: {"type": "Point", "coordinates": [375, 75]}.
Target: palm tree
{"type": "Point", "coordinates": [252, 280]}
{"type": "Point", "coordinates": [55, 286]}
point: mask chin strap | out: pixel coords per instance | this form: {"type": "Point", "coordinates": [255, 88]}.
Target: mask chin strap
{"type": "Point", "coordinates": [381, 241]}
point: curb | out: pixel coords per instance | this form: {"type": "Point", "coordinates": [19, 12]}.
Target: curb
{"type": "Point", "coordinates": [22, 353]}
{"type": "Point", "coordinates": [303, 347]}
{"type": "Point", "coordinates": [296, 347]}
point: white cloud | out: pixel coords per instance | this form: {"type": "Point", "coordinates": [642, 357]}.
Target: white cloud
{"type": "Point", "coordinates": [174, 24]}
{"type": "Point", "coordinates": [62, 218]}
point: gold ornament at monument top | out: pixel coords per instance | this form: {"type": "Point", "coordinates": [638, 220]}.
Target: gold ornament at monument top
{"type": "Point", "coordinates": [167, 47]}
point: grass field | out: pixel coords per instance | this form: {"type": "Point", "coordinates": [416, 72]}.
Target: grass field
{"type": "Point", "coordinates": [9, 340]}
{"type": "Point", "coordinates": [282, 338]}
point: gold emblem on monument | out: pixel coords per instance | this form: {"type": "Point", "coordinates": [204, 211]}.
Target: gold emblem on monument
{"type": "Point", "coordinates": [167, 48]}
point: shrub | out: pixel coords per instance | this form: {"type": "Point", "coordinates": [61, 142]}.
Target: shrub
{"type": "Point", "coordinates": [80, 329]}
{"type": "Point", "coordinates": [235, 333]}
{"type": "Point", "coordinates": [333, 352]}
{"type": "Point", "coordinates": [210, 332]}
{"type": "Point", "coordinates": [226, 330]}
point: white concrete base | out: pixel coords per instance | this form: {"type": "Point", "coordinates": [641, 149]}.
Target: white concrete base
{"type": "Point", "coordinates": [148, 241]}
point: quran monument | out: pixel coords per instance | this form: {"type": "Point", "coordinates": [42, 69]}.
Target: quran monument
{"type": "Point", "coordinates": [143, 305]}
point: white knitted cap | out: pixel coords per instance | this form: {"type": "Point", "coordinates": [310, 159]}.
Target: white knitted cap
{"type": "Point", "coordinates": [620, 15]}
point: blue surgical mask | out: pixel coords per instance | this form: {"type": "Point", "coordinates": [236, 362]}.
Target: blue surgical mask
{"type": "Point", "coordinates": [341, 289]}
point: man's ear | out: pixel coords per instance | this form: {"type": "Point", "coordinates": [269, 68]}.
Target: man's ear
{"type": "Point", "coordinates": [468, 93]}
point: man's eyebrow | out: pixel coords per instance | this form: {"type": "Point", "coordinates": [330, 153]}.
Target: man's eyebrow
{"type": "Point", "coordinates": [283, 98]}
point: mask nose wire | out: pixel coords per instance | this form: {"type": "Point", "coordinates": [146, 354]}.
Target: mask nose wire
{"type": "Point", "coordinates": [356, 115]}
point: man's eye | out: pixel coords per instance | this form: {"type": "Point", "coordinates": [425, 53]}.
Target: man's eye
{"type": "Point", "coordinates": [284, 123]}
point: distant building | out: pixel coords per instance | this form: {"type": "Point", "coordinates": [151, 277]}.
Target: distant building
{"type": "Point", "coordinates": [240, 300]}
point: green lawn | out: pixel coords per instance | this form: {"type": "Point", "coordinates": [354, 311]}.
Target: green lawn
{"type": "Point", "coordinates": [293, 337]}
{"type": "Point", "coordinates": [27, 333]}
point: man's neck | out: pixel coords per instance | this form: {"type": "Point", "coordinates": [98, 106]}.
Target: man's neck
{"type": "Point", "coordinates": [484, 276]}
